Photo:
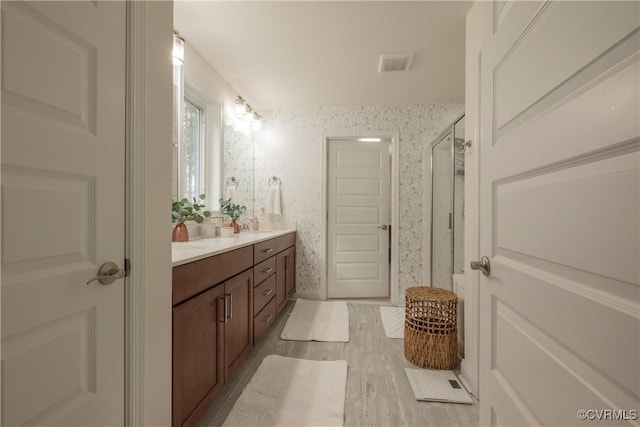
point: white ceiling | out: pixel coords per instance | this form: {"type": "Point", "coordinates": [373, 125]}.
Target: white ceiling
{"type": "Point", "coordinates": [325, 53]}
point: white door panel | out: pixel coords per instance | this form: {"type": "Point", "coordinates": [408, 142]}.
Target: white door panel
{"type": "Point", "coordinates": [560, 202]}
{"type": "Point", "coordinates": [63, 146]}
{"type": "Point", "coordinates": [359, 203]}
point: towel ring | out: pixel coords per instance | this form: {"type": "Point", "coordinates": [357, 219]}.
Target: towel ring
{"type": "Point", "coordinates": [232, 181]}
{"type": "Point", "coordinates": [275, 180]}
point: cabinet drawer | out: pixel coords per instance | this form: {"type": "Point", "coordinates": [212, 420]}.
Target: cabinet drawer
{"type": "Point", "coordinates": [264, 250]}
{"type": "Point", "coordinates": [263, 293]}
{"type": "Point", "coordinates": [263, 270]}
{"type": "Point", "coordinates": [286, 241]}
{"type": "Point", "coordinates": [192, 278]}
{"type": "Point", "coordinates": [263, 320]}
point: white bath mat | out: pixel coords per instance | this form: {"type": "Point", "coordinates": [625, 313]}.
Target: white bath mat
{"type": "Point", "coordinates": [437, 386]}
{"type": "Point", "coordinates": [285, 391]}
{"type": "Point", "coordinates": [317, 321]}
{"type": "Point", "coordinates": [392, 321]}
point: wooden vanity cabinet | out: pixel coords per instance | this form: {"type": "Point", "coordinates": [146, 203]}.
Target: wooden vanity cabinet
{"type": "Point", "coordinates": [286, 276]}
{"type": "Point", "coordinates": [264, 296]}
{"type": "Point", "coordinates": [192, 278]}
{"type": "Point", "coordinates": [264, 319]}
{"type": "Point", "coordinates": [198, 375]}
{"type": "Point", "coordinates": [238, 323]}
{"type": "Point", "coordinates": [264, 250]}
{"type": "Point", "coordinates": [290, 268]}
{"type": "Point", "coordinates": [221, 306]}
{"type": "Point", "coordinates": [212, 328]}
{"type": "Point", "coordinates": [263, 293]}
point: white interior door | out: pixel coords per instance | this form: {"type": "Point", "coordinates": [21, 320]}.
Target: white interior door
{"type": "Point", "coordinates": [559, 187]}
{"type": "Point", "coordinates": [359, 178]}
{"type": "Point", "coordinates": [63, 147]}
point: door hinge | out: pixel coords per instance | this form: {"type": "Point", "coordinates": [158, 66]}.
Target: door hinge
{"type": "Point", "coordinates": [127, 267]}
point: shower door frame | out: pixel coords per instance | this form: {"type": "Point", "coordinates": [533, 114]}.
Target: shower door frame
{"type": "Point", "coordinates": [450, 129]}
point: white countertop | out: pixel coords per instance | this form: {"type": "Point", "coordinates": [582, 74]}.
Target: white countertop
{"type": "Point", "coordinates": [193, 250]}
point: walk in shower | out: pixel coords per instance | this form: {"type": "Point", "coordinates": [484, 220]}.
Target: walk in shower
{"type": "Point", "coordinates": [447, 205]}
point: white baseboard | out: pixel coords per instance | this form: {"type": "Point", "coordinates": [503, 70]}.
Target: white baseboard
{"type": "Point", "coordinates": [465, 376]}
{"type": "Point", "coordinates": [315, 295]}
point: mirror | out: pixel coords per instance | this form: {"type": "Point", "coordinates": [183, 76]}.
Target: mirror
{"type": "Point", "coordinates": [238, 169]}
{"type": "Point", "coordinates": [206, 151]}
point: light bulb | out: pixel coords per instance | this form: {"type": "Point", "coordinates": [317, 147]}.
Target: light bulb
{"type": "Point", "coordinates": [178, 50]}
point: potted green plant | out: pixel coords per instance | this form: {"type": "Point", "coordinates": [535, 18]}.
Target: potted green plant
{"type": "Point", "coordinates": [233, 211]}
{"type": "Point", "coordinates": [184, 210]}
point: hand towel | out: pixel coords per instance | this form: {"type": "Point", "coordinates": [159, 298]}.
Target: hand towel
{"type": "Point", "coordinates": [231, 193]}
{"type": "Point", "coordinates": [275, 201]}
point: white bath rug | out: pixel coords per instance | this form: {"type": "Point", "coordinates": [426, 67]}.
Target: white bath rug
{"type": "Point", "coordinates": [437, 386]}
{"type": "Point", "coordinates": [392, 321]}
{"type": "Point", "coordinates": [317, 321]}
{"type": "Point", "coordinates": [285, 391]}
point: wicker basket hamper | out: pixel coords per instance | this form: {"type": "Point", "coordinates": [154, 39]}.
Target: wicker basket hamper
{"type": "Point", "coordinates": [430, 327]}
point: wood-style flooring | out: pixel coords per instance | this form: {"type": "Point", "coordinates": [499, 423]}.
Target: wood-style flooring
{"type": "Point", "coordinates": [378, 393]}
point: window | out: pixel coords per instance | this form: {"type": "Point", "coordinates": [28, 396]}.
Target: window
{"type": "Point", "coordinates": [192, 170]}
{"type": "Point", "coordinates": [197, 140]}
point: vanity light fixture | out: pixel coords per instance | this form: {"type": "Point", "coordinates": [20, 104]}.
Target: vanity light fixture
{"type": "Point", "coordinates": [241, 107]}
{"type": "Point", "coordinates": [369, 139]}
{"type": "Point", "coordinates": [247, 116]}
{"type": "Point", "coordinates": [178, 49]}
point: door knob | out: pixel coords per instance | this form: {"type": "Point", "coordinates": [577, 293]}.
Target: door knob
{"type": "Point", "coordinates": [484, 265]}
{"type": "Point", "coordinates": [108, 273]}
{"type": "Point", "coordinates": [382, 227]}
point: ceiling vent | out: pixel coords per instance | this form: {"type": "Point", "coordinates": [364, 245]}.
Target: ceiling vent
{"type": "Point", "coordinates": [395, 62]}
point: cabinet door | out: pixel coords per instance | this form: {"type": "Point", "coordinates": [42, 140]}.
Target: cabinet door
{"type": "Point", "coordinates": [291, 271]}
{"type": "Point", "coordinates": [281, 280]}
{"type": "Point", "coordinates": [238, 331]}
{"type": "Point", "coordinates": [285, 276]}
{"type": "Point", "coordinates": [197, 355]}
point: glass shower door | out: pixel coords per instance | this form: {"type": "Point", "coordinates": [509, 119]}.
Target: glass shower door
{"type": "Point", "coordinates": [442, 213]}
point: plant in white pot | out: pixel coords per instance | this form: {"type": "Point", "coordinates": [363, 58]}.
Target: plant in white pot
{"type": "Point", "coordinates": [184, 210]}
{"type": "Point", "coordinates": [233, 211]}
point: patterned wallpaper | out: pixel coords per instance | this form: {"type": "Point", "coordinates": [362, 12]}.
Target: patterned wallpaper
{"type": "Point", "coordinates": [290, 147]}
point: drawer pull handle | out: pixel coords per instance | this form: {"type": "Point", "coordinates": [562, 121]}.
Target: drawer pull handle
{"type": "Point", "coordinates": [266, 251]}
{"type": "Point", "coordinates": [267, 292]}
{"type": "Point", "coordinates": [268, 318]}
{"type": "Point", "coordinates": [267, 270]}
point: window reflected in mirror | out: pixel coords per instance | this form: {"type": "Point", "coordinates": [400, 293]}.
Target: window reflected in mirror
{"type": "Point", "coordinates": [197, 140]}
{"type": "Point", "coordinates": [175, 144]}
{"type": "Point", "coordinates": [192, 171]}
